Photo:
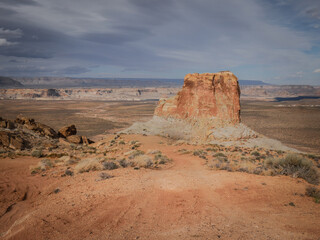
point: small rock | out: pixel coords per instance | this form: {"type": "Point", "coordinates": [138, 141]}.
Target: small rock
{"type": "Point", "coordinates": [68, 172]}
{"type": "Point", "coordinates": [57, 190]}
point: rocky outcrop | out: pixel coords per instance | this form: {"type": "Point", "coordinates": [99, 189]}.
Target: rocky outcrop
{"type": "Point", "coordinates": [79, 139]}
{"type": "Point", "coordinates": [207, 108]}
{"type": "Point", "coordinates": [42, 129]}
{"type": "Point", "coordinates": [68, 131]}
{"type": "Point", "coordinates": [12, 140]}
{"type": "Point", "coordinates": [74, 139]}
{"type": "Point", "coordinates": [210, 97]}
{"type": "Point", "coordinates": [7, 124]}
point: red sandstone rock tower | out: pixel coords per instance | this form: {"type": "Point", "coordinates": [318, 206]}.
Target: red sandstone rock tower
{"type": "Point", "coordinates": [211, 99]}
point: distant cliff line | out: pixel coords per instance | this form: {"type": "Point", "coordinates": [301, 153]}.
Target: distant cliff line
{"type": "Point", "coordinates": [67, 82]}
{"type": "Point", "coordinates": [265, 92]}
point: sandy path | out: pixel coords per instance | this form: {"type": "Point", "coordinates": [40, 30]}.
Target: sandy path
{"type": "Point", "coordinates": [184, 201]}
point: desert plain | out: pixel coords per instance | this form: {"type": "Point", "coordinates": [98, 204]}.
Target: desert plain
{"type": "Point", "coordinates": [183, 197]}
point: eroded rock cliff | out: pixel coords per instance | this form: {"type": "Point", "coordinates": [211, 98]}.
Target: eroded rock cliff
{"type": "Point", "coordinates": [213, 98]}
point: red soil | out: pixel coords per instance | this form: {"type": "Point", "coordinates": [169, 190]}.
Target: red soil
{"type": "Point", "coordinates": [184, 201]}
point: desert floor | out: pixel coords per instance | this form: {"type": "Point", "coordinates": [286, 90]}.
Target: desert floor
{"type": "Point", "coordinates": [182, 200]}
{"type": "Point", "coordinates": [295, 123]}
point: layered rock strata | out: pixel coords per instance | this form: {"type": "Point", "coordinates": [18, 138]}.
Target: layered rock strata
{"type": "Point", "coordinates": [211, 98]}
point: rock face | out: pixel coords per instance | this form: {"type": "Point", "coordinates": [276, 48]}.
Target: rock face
{"type": "Point", "coordinates": [68, 131]}
{"type": "Point", "coordinates": [206, 109]}
{"type": "Point", "coordinates": [11, 140]}
{"type": "Point", "coordinates": [31, 124]}
{"type": "Point", "coordinates": [211, 98]}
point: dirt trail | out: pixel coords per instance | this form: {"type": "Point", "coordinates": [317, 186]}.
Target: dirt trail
{"type": "Point", "coordinates": [184, 201]}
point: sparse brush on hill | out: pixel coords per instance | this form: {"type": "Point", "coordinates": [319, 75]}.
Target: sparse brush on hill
{"type": "Point", "coordinates": [296, 166]}
{"type": "Point", "coordinates": [143, 161]}
{"type": "Point", "coordinates": [109, 165]}
{"type": "Point", "coordinates": [89, 164]}
{"type": "Point", "coordinates": [257, 162]}
{"type": "Point", "coordinates": [313, 192]}
{"type": "Point", "coordinates": [43, 165]}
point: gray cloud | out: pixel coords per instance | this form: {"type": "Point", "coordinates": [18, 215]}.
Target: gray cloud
{"type": "Point", "coordinates": [256, 39]}
{"type": "Point", "coordinates": [72, 70]}
{"type": "Point", "coordinates": [19, 2]}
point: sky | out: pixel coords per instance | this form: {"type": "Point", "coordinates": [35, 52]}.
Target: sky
{"type": "Point", "coordinates": [276, 41]}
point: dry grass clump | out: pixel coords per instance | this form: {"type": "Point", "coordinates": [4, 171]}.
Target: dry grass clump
{"type": "Point", "coordinates": [313, 192]}
{"type": "Point", "coordinates": [294, 165]}
{"type": "Point", "coordinates": [200, 153]}
{"type": "Point", "coordinates": [160, 158]}
{"type": "Point", "coordinates": [89, 164]}
{"type": "Point", "coordinates": [109, 165]}
{"type": "Point", "coordinates": [135, 153]}
{"type": "Point", "coordinates": [36, 153]}
{"type": "Point", "coordinates": [142, 161]}
{"type": "Point", "coordinates": [124, 163]}
{"type": "Point", "coordinates": [43, 165]}
{"type": "Point", "coordinates": [184, 151]}
{"type": "Point", "coordinates": [219, 154]}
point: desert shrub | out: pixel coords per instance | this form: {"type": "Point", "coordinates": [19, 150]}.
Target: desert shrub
{"type": "Point", "coordinates": [135, 154]}
{"type": "Point", "coordinates": [43, 165]}
{"type": "Point", "coordinates": [255, 153]}
{"type": "Point", "coordinates": [222, 159]}
{"type": "Point", "coordinates": [313, 192]}
{"type": "Point", "coordinates": [68, 172]}
{"type": "Point", "coordinates": [46, 163]}
{"type": "Point", "coordinates": [89, 164]}
{"type": "Point", "coordinates": [36, 153]}
{"type": "Point", "coordinates": [109, 165]}
{"type": "Point", "coordinates": [56, 155]}
{"type": "Point", "coordinates": [154, 152]}
{"type": "Point", "coordinates": [184, 151]}
{"type": "Point", "coordinates": [200, 153]}
{"type": "Point", "coordinates": [219, 155]}
{"type": "Point", "coordinates": [211, 149]}
{"type": "Point", "coordinates": [2, 150]}
{"type": "Point", "coordinates": [11, 155]}
{"type": "Point", "coordinates": [294, 165]}
{"type": "Point", "coordinates": [104, 176]}
{"type": "Point", "coordinates": [162, 159]}
{"type": "Point", "coordinates": [144, 161]}
{"type": "Point", "coordinates": [123, 163]}
{"type": "Point", "coordinates": [122, 142]}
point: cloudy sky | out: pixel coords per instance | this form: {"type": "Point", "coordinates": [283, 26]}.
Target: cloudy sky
{"type": "Point", "coordinates": [277, 41]}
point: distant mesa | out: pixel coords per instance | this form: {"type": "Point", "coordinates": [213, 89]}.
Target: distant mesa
{"type": "Point", "coordinates": [6, 82]}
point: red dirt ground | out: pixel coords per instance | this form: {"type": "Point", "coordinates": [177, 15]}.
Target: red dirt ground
{"type": "Point", "coordinates": [186, 200]}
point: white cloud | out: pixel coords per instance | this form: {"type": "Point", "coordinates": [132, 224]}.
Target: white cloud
{"type": "Point", "coordinates": [317, 70]}
{"type": "Point", "coordinates": [5, 42]}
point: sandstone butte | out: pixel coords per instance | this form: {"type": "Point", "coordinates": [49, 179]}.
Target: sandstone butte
{"type": "Point", "coordinates": [212, 99]}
